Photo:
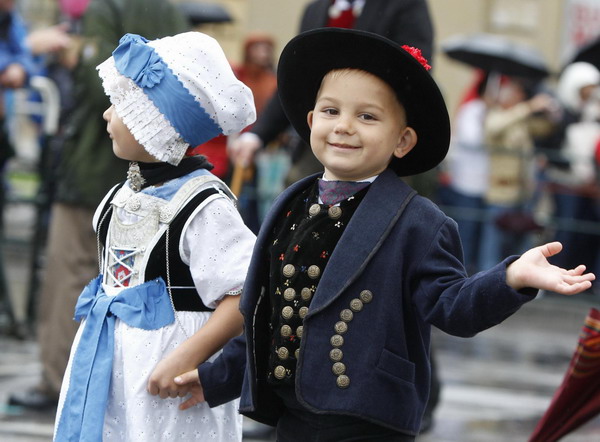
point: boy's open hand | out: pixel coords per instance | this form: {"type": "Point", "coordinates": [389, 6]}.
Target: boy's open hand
{"type": "Point", "coordinates": [191, 382]}
{"type": "Point", "coordinates": [532, 269]}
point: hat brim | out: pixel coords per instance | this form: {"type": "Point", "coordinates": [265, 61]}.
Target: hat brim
{"type": "Point", "coordinates": [309, 56]}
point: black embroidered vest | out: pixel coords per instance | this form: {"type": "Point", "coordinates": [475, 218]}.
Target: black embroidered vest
{"type": "Point", "coordinates": [301, 244]}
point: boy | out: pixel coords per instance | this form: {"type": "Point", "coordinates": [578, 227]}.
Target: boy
{"type": "Point", "coordinates": [341, 293]}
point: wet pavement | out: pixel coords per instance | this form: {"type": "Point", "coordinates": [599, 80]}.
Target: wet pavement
{"type": "Point", "coordinates": [495, 386]}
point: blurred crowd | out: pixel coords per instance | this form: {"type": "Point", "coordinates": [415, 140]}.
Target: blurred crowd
{"type": "Point", "coordinates": [523, 166]}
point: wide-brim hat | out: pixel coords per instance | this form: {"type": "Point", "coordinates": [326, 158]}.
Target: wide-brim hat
{"type": "Point", "coordinates": [310, 55]}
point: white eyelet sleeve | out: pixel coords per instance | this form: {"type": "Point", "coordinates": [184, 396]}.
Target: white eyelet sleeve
{"type": "Point", "coordinates": [217, 246]}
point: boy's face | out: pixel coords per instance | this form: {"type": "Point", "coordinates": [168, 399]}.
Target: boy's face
{"type": "Point", "coordinates": [125, 146]}
{"type": "Point", "coordinates": [357, 125]}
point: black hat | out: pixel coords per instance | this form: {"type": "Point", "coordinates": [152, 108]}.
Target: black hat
{"type": "Point", "coordinates": [310, 55]}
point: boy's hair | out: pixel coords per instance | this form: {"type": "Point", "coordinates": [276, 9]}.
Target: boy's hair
{"type": "Point", "coordinates": [175, 92]}
{"type": "Point", "coordinates": [308, 57]}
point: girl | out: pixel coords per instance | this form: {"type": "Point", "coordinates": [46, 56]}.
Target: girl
{"type": "Point", "coordinates": [173, 249]}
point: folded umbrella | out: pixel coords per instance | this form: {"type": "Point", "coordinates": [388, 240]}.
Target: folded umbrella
{"type": "Point", "coordinates": [493, 53]}
{"type": "Point", "coordinates": [577, 400]}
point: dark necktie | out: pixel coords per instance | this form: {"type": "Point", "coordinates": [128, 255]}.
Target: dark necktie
{"type": "Point", "coordinates": [332, 192]}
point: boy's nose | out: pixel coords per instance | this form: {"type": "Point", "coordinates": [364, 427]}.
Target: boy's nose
{"type": "Point", "coordinates": [343, 125]}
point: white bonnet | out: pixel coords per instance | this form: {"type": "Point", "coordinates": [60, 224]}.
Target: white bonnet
{"type": "Point", "coordinates": [576, 76]}
{"type": "Point", "coordinates": [175, 92]}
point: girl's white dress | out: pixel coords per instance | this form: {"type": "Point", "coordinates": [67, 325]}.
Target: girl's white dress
{"type": "Point", "coordinates": [217, 246]}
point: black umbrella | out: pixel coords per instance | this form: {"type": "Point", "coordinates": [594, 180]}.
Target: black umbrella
{"type": "Point", "coordinates": [493, 53]}
{"type": "Point", "coordinates": [200, 13]}
{"type": "Point", "coordinates": [589, 52]}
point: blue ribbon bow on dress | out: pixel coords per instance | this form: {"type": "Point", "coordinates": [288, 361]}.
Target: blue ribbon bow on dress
{"type": "Point", "coordinates": [144, 306]}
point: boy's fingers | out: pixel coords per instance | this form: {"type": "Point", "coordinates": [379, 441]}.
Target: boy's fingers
{"type": "Point", "coordinates": [188, 404]}
{"type": "Point", "coordinates": [186, 378]}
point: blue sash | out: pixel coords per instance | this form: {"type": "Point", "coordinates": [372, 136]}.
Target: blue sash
{"type": "Point", "coordinates": [144, 306]}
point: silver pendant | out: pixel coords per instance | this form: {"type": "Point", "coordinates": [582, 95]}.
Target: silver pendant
{"type": "Point", "coordinates": [134, 175]}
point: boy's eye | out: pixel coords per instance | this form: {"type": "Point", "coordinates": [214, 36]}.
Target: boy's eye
{"type": "Point", "coordinates": [367, 117]}
{"type": "Point", "coordinates": [330, 111]}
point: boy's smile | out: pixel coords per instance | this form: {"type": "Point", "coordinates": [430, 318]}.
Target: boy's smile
{"type": "Point", "coordinates": [357, 125]}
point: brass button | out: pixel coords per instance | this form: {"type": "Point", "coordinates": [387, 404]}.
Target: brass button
{"type": "Point", "coordinates": [343, 381]}
{"type": "Point", "coordinates": [289, 294]}
{"type": "Point", "coordinates": [279, 372]}
{"type": "Point", "coordinates": [366, 296]}
{"type": "Point", "coordinates": [336, 354]}
{"type": "Point", "coordinates": [334, 212]}
{"type": "Point", "coordinates": [314, 272]}
{"type": "Point", "coordinates": [297, 353]}
{"type": "Point", "coordinates": [302, 312]}
{"type": "Point", "coordinates": [286, 330]}
{"type": "Point", "coordinates": [338, 368]}
{"type": "Point", "coordinates": [314, 210]}
{"type": "Point", "coordinates": [289, 270]}
{"type": "Point", "coordinates": [306, 294]}
{"type": "Point", "coordinates": [341, 327]}
{"type": "Point", "coordinates": [356, 305]}
{"type": "Point", "coordinates": [346, 315]}
{"type": "Point", "coordinates": [287, 312]}
{"type": "Point", "coordinates": [299, 331]}
{"type": "Point", "coordinates": [337, 340]}
{"type": "Point", "coordinates": [283, 353]}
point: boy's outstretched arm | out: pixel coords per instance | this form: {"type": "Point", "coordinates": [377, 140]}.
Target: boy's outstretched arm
{"type": "Point", "coordinates": [190, 381]}
{"type": "Point", "coordinates": [533, 270]}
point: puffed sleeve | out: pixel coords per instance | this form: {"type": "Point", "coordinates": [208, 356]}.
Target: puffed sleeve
{"type": "Point", "coordinates": [217, 246]}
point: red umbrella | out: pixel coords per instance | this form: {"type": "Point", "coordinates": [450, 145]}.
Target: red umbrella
{"type": "Point", "coordinates": [577, 400]}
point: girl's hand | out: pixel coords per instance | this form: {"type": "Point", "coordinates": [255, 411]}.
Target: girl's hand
{"type": "Point", "coordinates": [191, 381]}
{"type": "Point", "coordinates": [532, 269]}
{"type": "Point", "coordinates": [161, 380]}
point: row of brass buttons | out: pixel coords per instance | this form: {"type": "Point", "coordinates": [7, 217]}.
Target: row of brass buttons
{"type": "Point", "coordinates": [341, 327]}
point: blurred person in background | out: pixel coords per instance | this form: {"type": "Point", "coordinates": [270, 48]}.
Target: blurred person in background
{"type": "Point", "coordinates": [572, 181]}
{"type": "Point", "coordinates": [465, 176]}
{"type": "Point", "coordinates": [16, 66]}
{"type": "Point", "coordinates": [518, 115]}
{"type": "Point", "coordinates": [87, 170]}
{"type": "Point", "coordinates": [258, 72]}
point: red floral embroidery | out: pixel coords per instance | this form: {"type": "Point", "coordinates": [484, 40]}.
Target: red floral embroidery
{"type": "Point", "coordinates": [296, 247]}
{"type": "Point", "coordinates": [324, 254]}
{"type": "Point", "coordinates": [281, 257]}
{"type": "Point", "coordinates": [416, 53]}
{"type": "Point", "coordinates": [288, 214]}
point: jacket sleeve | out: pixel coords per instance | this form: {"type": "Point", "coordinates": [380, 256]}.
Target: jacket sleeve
{"type": "Point", "coordinates": [222, 379]}
{"type": "Point", "coordinates": [455, 303]}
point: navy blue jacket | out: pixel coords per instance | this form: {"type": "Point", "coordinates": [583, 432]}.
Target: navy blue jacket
{"type": "Point", "coordinates": [408, 254]}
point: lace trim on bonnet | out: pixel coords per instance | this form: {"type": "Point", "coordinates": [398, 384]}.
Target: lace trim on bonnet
{"type": "Point", "coordinates": [147, 124]}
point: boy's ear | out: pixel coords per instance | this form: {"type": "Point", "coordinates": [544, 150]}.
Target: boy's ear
{"type": "Point", "coordinates": [407, 140]}
{"type": "Point", "coordinates": [309, 119]}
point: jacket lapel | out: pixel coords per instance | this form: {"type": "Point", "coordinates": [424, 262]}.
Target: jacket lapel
{"type": "Point", "coordinates": [370, 225]}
